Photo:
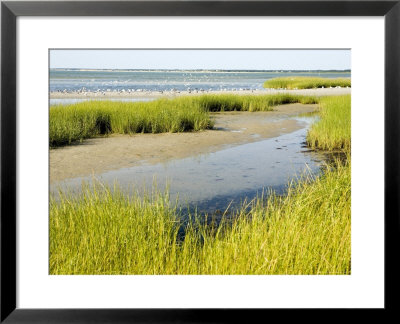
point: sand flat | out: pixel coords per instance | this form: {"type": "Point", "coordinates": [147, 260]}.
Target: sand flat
{"type": "Point", "coordinates": [173, 94]}
{"type": "Point", "coordinates": [102, 154]}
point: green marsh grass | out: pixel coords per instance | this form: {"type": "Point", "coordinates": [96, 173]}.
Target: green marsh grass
{"type": "Point", "coordinates": [306, 231]}
{"type": "Point", "coordinates": [333, 130]}
{"type": "Point", "coordinates": [92, 118]}
{"type": "Point", "coordinates": [88, 119]}
{"type": "Point", "coordinates": [231, 102]}
{"type": "Point", "coordinates": [305, 83]}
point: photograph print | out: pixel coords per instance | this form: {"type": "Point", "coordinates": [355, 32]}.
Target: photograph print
{"type": "Point", "coordinates": [200, 162]}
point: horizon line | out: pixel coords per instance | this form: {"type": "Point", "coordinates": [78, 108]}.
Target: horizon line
{"type": "Point", "coordinates": [177, 69]}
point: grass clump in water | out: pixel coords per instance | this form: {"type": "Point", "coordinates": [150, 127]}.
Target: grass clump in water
{"type": "Point", "coordinates": [306, 83]}
{"type": "Point", "coordinates": [333, 130]}
{"type": "Point", "coordinates": [107, 232]}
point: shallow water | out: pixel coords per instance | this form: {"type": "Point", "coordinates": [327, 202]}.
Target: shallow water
{"type": "Point", "coordinates": [74, 80]}
{"type": "Point", "coordinates": [68, 101]}
{"type": "Point", "coordinates": [214, 181]}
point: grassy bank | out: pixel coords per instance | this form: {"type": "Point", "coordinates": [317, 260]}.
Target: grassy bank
{"type": "Point", "coordinates": [93, 118]}
{"type": "Point", "coordinates": [231, 102]}
{"type": "Point", "coordinates": [305, 232]}
{"type": "Point", "coordinates": [305, 83]}
{"type": "Point", "coordinates": [333, 130]}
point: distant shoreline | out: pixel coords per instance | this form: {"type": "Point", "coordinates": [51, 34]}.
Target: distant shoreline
{"type": "Point", "coordinates": [197, 70]}
{"type": "Point", "coordinates": [172, 94]}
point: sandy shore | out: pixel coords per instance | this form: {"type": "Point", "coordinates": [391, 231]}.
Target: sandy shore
{"type": "Point", "coordinates": [172, 94]}
{"type": "Point", "coordinates": [98, 155]}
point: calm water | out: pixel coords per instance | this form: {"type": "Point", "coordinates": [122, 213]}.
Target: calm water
{"type": "Point", "coordinates": [213, 181]}
{"type": "Point", "coordinates": [68, 101]}
{"type": "Point", "coordinates": [166, 80]}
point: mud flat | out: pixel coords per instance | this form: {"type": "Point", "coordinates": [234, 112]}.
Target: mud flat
{"type": "Point", "coordinates": [98, 155]}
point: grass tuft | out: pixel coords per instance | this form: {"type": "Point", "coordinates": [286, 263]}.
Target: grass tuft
{"type": "Point", "coordinates": [333, 130]}
{"type": "Point", "coordinates": [92, 118]}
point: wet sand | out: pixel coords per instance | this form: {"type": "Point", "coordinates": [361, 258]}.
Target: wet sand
{"type": "Point", "coordinates": [172, 94]}
{"type": "Point", "coordinates": [102, 154]}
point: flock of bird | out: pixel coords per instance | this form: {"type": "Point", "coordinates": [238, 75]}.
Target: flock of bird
{"type": "Point", "coordinates": [85, 91]}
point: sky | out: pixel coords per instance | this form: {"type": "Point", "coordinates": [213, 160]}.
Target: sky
{"type": "Point", "coordinates": [203, 59]}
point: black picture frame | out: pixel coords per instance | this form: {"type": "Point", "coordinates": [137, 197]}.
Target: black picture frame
{"type": "Point", "coordinates": [10, 10]}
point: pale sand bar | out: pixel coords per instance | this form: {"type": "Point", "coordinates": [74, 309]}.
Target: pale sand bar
{"type": "Point", "coordinates": [98, 155]}
{"type": "Point", "coordinates": [172, 94]}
